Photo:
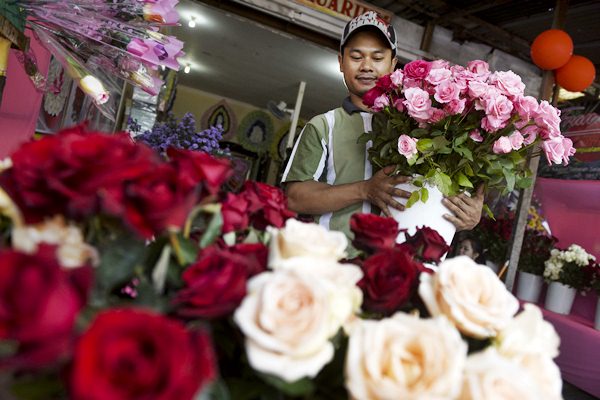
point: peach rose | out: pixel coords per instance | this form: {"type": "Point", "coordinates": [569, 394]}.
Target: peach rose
{"type": "Point", "coordinates": [405, 357]}
{"type": "Point", "coordinates": [470, 295]}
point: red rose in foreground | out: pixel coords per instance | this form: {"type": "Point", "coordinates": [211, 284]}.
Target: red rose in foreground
{"type": "Point", "coordinates": [255, 255]}
{"type": "Point", "coordinates": [39, 302]}
{"type": "Point", "coordinates": [428, 244]}
{"type": "Point", "coordinates": [135, 354]}
{"type": "Point", "coordinates": [235, 213]}
{"type": "Point", "coordinates": [267, 204]}
{"type": "Point", "coordinates": [73, 172]}
{"type": "Point", "coordinates": [214, 285]}
{"type": "Point", "coordinates": [196, 168]}
{"type": "Point", "coordinates": [390, 277]}
{"type": "Point", "coordinates": [157, 202]}
{"type": "Point", "coordinates": [372, 232]}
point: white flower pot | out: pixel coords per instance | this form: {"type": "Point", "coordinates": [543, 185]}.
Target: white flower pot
{"type": "Point", "coordinates": [597, 320]}
{"type": "Point", "coordinates": [431, 214]}
{"type": "Point", "coordinates": [559, 298]}
{"type": "Point", "coordinates": [529, 287]}
{"type": "Point", "coordinates": [493, 266]}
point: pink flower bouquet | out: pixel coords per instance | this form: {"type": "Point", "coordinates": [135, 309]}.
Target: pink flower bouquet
{"type": "Point", "coordinates": [456, 128]}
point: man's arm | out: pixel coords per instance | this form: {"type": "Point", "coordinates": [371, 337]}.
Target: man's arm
{"type": "Point", "coordinates": [316, 198]}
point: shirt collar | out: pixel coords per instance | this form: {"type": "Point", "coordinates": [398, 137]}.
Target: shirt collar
{"type": "Point", "coordinates": [350, 107]}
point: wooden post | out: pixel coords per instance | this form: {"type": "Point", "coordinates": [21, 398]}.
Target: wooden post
{"type": "Point", "coordinates": [546, 93]}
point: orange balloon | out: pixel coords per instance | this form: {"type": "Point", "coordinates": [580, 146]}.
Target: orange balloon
{"type": "Point", "coordinates": [551, 49]}
{"type": "Point", "coordinates": [576, 75]}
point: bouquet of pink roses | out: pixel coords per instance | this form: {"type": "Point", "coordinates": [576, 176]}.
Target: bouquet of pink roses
{"type": "Point", "coordinates": [457, 127]}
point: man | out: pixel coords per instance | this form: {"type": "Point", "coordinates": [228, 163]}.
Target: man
{"type": "Point", "coordinates": [328, 174]}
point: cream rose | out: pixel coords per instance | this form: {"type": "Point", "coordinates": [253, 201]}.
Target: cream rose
{"type": "Point", "coordinates": [470, 295]}
{"type": "Point", "coordinates": [490, 376]}
{"type": "Point", "coordinates": [528, 334]}
{"type": "Point", "coordinates": [298, 239]}
{"type": "Point", "coordinates": [72, 251]}
{"type": "Point", "coordinates": [405, 357]}
{"type": "Point", "coordinates": [288, 317]}
{"type": "Point", "coordinates": [544, 373]}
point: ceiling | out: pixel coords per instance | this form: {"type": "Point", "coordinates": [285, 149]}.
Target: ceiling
{"type": "Point", "coordinates": [237, 58]}
{"type": "Point", "coordinates": [233, 56]}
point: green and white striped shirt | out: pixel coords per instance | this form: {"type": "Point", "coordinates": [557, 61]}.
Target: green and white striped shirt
{"type": "Point", "coordinates": [327, 151]}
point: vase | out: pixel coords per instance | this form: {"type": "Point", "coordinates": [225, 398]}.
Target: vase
{"type": "Point", "coordinates": [431, 214]}
{"type": "Point", "coordinates": [529, 287]}
{"type": "Point", "coordinates": [559, 298]}
{"type": "Point", "coordinates": [597, 319]}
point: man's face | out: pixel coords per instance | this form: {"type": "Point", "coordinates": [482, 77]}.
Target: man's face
{"type": "Point", "coordinates": [366, 57]}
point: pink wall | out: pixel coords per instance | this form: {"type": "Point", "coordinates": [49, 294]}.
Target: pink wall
{"type": "Point", "coordinates": [20, 102]}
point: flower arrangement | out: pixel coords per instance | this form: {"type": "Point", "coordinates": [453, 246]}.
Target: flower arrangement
{"type": "Point", "coordinates": [535, 251]}
{"type": "Point", "coordinates": [126, 275]}
{"type": "Point", "coordinates": [457, 128]}
{"type": "Point", "coordinates": [494, 235]}
{"type": "Point", "coordinates": [569, 267]}
{"type": "Point", "coordinates": [179, 134]}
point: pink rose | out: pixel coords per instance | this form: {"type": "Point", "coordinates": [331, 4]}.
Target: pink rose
{"type": "Point", "coordinates": [418, 103]}
{"type": "Point", "coordinates": [497, 109]}
{"type": "Point", "coordinates": [555, 150]}
{"type": "Point", "coordinates": [436, 115]}
{"type": "Point", "coordinates": [440, 64]}
{"type": "Point", "coordinates": [438, 75]}
{"type": "Point", "coordinates": [411, 83]}
{"type": "Point", "coordinates": [547, 118]}
{"type": "Point", "coordinates": [526, 107]}
{"type": "Point", "coordinates": [478, 89]}
{"type": "Point", "coordinates": [479, 70]}
{"type": "Point", "coordinates": [502, 145]}
{"type": "Point", "coordinates": [508, 83]}
{"type": "Point", "coordinates": [397, 77]}
{"type": "Point", "coordinates": [407, 146]}
{"type": "Point", "coordinates": [417, 69]}
{"type": "Point", "coordinates": [569, 150]}
{"type": "Point", "coordinates": [398, 104]}
{"type": "Point", "coordinates": [530, 133]}
{"type": "Point", "coordinates": [446, 91]}
{"type": "Point", "coordinates": [461, 76]}
{"type": "Point", "coordinates": [516, 140]}
{"type": "Point", "coordinates": [476, 135]}
{"type": "Point", "coordinates": [455, 106]}
{"type": "Point", "coordinates": [381, 102]}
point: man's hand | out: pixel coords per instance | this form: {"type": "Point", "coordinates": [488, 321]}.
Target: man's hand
{"type": "Point", "coordinates": [467, 210]}
{"type": "Point", "coordinates": [380, 190]}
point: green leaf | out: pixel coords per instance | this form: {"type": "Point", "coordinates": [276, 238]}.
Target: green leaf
{"type": "Point", "coordinates": [121, 253]}
{"type": "Point", "coordinates": [419, 132]}
{"type": "Point", "coordinates": [188, 249]}
{"type": "Point", "coordinates": [302, 387]}
{"type": "Point", "coordinates": [443, 182]}
{"type": "Point", "coordinates": [510, 180]}
{"type": "Point", "coordinates": [524, 182]}
{"type": "Point", "coordinates": [489, 212]}
{"type": "Point", "coordinates": [364, 138]}
{"type": "Point", "coordinates": [440, 142]}
{"type": "Point", "coordinates": [213, 230]}
{"type": "Point", "coordinates": [414, 197]}
{"type": "Point", "coordinates": [424, 195]}
{"type": "Point", "coordinates": [385, 149]}
{"type": "Point", "coordinates": [424, 144]}
{"type": "Point", "coordinates": [216, 390]}
{"type": "Point", "coordinates": [460, 139]}
{"type": "Point", "coordinates": [469, 170]}
{"type": "Point", "coordinates": [463, 180]}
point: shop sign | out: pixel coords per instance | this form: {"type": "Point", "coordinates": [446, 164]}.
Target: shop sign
{"type": "Point", "coordinates": [345, 9]}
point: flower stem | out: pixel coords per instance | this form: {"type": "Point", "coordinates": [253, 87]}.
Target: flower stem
{"type": "Point", "coordinates": [176, 248]}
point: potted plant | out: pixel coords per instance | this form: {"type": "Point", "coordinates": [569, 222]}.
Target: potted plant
{"type": "Point", "coordinates": [566, 272]}
{"type": "Point", "coordinates": [535, 251]}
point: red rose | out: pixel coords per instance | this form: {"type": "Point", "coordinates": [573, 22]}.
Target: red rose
{"type": "Point", "coordinates": [73, 172]}
{"type": "Point", "coordinates": [235, 213]}
{"type": "Point", "coordinates": [254, 254]}
{"type": "Point", "coordinates": [368, 98]}
{"type": "Point", "coordinates": [418, 69]}
{"type": "Point", "coordinates": [214, 285]}
{"type": "Point", "coordinates": [390, 277]}
{"type": "Point", "coordinates": [428, 244]}
{"type": "Point", "coordinates": [267, 205]}
{"type": "Point", "coordinates": [135, 354]}
{"type": "Point", "coordinates": [385, 83]}
{"type": "Point", "coordinates": [157, 201]}
{"type": "Point", "coordinates": [39, 302]}
{"type": "Point", "coordinates": [196, 168]}
{"type": "Point", "coordinates": [372, 232]}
